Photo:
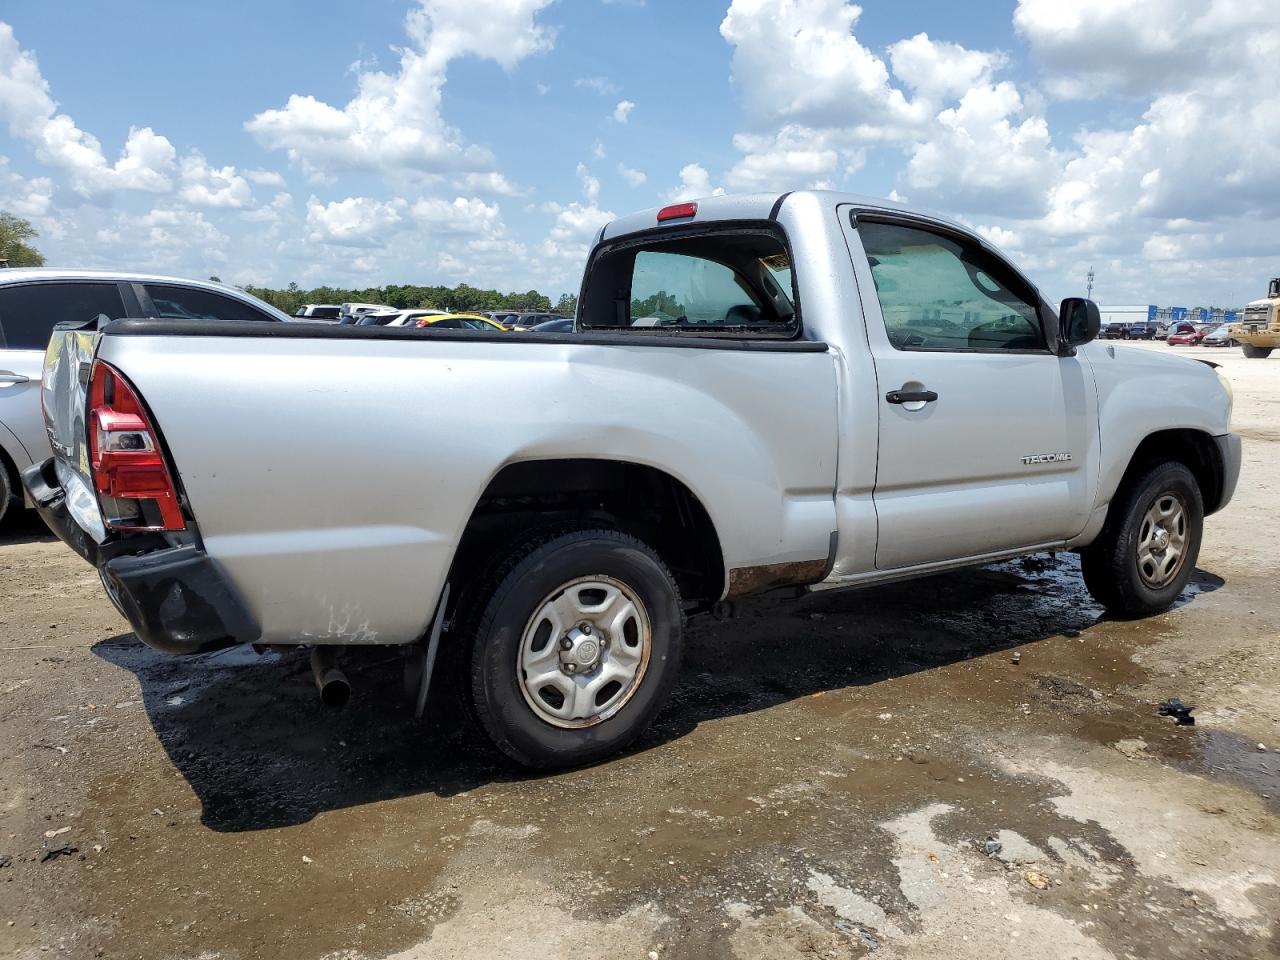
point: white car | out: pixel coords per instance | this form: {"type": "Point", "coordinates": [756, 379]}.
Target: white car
{"type": "Point", "coordinates": [410, 318]}
{"type": "Point", "coordinates": [32, 300]}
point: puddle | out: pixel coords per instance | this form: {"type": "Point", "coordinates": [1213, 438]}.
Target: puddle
{"type": "Point", "coordinates": [1230, 757]}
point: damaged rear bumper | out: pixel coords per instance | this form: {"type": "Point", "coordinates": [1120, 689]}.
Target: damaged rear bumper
{"type": "Point", "coordinates": [175, 597]}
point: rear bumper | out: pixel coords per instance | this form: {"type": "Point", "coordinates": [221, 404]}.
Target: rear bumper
{"type": "Point", "coordinates": [175, 597]}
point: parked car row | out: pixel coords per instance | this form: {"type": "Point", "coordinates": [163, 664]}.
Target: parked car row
{"type": "Point", "coordinates": [1180, 334]}
{"type": "Point", "coordinates": [381, 315]}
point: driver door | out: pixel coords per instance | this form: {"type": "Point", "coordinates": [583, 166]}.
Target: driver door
{"type": "Point", "coordinates": [987, 440]}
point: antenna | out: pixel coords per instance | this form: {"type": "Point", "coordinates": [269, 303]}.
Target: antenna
{"type": "Point", "coordinates": [1091, 275]}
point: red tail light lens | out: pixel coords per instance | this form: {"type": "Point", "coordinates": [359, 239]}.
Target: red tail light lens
{"type": "Point", "coordinates": [133, 482]}
{"type": "Point", "coordinates": [677, 211]}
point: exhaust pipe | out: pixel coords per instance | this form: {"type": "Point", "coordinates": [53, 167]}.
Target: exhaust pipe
{"type": "Point", "coordinates": [334, 687]}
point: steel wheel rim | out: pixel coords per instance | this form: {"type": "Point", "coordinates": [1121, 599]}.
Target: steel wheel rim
{"type": "Point", "coordinates": [566, 681]}
{"type": "Point", "coordinates": [1162, 541]}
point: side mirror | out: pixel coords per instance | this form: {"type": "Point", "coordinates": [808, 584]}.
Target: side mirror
{"type": "Point", "coordinates": [1078, 321]}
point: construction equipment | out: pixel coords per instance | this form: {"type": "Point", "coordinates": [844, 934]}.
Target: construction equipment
{"type": "Point", "coordinates": [1259, 331]}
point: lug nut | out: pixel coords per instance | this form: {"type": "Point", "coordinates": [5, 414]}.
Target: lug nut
{"type": "Point", "coordinates": [586, 629]}
{"type": "Point", "coordinates": [566, 643]}
{"type": "Point", "coordinates": [569, 668]}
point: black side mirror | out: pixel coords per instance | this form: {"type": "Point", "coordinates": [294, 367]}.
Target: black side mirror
{"type": "Point", "coordinates": [1078, 321]}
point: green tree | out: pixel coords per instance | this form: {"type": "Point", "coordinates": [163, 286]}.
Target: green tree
{"type": "Point", "coordinates": [568, 305]}
{"type": "Point", "coordinates": [14, 234]}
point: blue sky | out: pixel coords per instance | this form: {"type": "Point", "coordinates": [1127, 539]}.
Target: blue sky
{"type": "Point", "coordinates": [485, 140]}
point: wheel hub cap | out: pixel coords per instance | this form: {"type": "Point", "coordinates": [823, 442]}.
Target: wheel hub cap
{"type": "Point", "coordinates": [581, 649]}
{"type": "Point", "coordinates": [584, 652]}
{"type": "Point", "coordinates": [1162, 541]}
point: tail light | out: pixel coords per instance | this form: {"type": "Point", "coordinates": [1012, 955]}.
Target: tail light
{"type": "Point", "coordinates": [133, 481]}
{"type": "Point", "coordinates": [677, 211]}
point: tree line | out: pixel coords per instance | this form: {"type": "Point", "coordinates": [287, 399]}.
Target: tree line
{"type": "Point", "coordinates": [463, 298]}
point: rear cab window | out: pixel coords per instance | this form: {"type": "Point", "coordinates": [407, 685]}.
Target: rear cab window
{"type": "Point", "coordinates": [29, 311]}
{"type": "Point", "coordinates": [726, 281]}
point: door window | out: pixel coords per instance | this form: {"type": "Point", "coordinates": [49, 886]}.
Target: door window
{"type": "Point", "coordinates": [939, 294]}
{"type": "Point", "coordinates": [29, 311]}
{"type": "Point", "coordinates": [191, 303]}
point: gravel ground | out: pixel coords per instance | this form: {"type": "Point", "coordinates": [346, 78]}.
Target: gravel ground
{"type": "Point", "coordinates": [823, 784]}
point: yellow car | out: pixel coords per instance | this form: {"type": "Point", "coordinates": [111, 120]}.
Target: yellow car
{"type": "Point", "coordinates": [459, 321]}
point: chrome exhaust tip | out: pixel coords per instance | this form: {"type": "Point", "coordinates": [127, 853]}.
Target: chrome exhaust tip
{"type": "Point", "coordinates": [334, 687]}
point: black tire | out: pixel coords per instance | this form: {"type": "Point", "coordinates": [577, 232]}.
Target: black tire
{"type": "Point", "coordinates": [1256, 353]}
{"type": "Point", "coordinates": [519, 589]}
{"type": "Point", "coordinates": [1111, 565]}
{"type": "Point", "coordinates": [7, 496]}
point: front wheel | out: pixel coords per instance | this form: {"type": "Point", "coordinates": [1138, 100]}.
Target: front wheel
{"type": "Point", "coordinates": [1148, 548]}
{"type": "Point", "coordinates": [576, 649]}
{"type": "Point", "coordinates": [1256, 353]}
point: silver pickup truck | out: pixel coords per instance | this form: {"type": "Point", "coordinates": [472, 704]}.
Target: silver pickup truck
{"type": "Point", "coordinates": [761, 393]}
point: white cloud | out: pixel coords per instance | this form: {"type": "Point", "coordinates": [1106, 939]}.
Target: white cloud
{"type": "Point", "coordinates": [602, 86]}
{"type": "Point", "coordinates": [23, 197]}
{"type": "Point", "coordinates": [798, 62]}
{"type": "Point", "coordinates": [622, 112]}
{"type": "Point", "coordinates": [590, 184]}
{"type": "Point", "coordinates": [492, 182]}
{"type": "Point", "coordinates": [634, 178]}
{"type": "Point", "coordinates": [26, 105]}
{"type": "Point", "coordinates": [394, 123]}
{"type": "Point", "coordinates": [980, 156]}
{"type": "Point", "coordinates": [205, 186]}
{"type": "Point", "coordinates": [941, 71]}
{"type": "Point", "coordinates": [695, 182]}
{"type": "Point", "coordinates": [795, 157]}
{"type": "Point", "coordinates": [462, 215]}
{"type": "Point", "coordinates": [1093, 48]}
{"type": "Point", "coordinates": [355, 221]}
{"type": "Point", "coordinates": [264, 178]}
{"type": "Point", "coordinates": [163, 240]}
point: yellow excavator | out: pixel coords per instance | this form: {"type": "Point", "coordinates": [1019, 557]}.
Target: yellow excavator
{"type": "Point", "coordinates": [1259, 331]}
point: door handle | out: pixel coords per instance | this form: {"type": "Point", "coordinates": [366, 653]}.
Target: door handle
{"type": "Point", "coordinates": [911, 396]}
{"type": "Point", "coordinates": [8, 376]}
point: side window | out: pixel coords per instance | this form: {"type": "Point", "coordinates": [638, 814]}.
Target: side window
{"type": "Point", "coordinates": [938, 294]}
{"type": "Point", "coordinates": [28, 312]}
{"type": "Point", "coordinates": [190, 303]}
{"type": "Point", "coordinates": [733, 282]}
{"type": "Point", "coordinates": [450, 324]}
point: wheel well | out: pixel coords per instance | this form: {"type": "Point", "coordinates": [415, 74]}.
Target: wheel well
{"type": "Point", "coordinates": [531, 496]}
{"type": "Point", "coordinates": [1193, 448]}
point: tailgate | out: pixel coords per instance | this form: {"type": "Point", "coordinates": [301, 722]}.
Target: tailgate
{"type": "Point", "coordinates": [64, 398]}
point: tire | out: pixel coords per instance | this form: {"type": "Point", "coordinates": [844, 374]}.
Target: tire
{"type": "Point", "coordinates": [1256, 353]}
{"type": "Point", "coordinates": [6, 490]}
{"type": "Point", "coordinates": [532, 626]}
{"type": "Point", "coordinates": [1120, 575]}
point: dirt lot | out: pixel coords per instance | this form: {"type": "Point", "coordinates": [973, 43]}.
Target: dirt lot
{"type": "Point", "coordinates": [823, 784]}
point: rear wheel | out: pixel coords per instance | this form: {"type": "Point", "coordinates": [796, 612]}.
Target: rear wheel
{"type": "Point", "coordinates": [576, 649]}
{"type": "Point", "coordinates": [1147, 551]}
{"type": "Point", "coordinates": [1256, 353]}
{"type": "Point", "coordinates": [6, 490]}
